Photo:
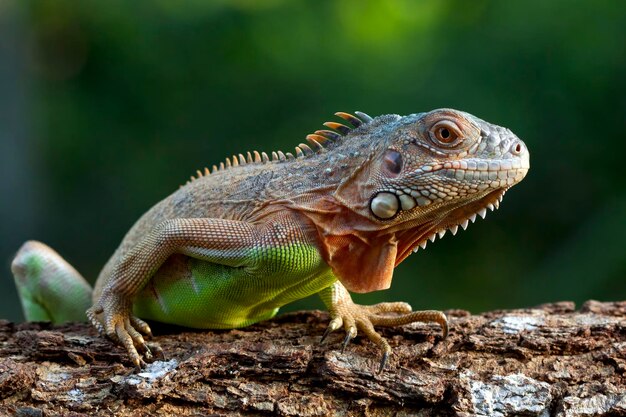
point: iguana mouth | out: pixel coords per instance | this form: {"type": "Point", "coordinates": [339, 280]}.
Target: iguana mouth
{"type": "Point", "coordinates": [414, 239]}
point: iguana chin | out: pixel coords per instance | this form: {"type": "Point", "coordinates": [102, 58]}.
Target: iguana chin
{"type": "Point", "coordinates": [231, 247]}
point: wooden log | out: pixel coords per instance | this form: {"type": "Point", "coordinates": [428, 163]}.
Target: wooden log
{"type": "Point", "coordinates": [546, 361]}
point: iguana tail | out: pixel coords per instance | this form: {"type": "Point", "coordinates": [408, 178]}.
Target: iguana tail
{"type": "Point", "coordinates": [50, 289]}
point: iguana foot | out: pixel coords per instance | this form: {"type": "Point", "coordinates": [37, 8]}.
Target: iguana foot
{"type": "Point", "coordinates": [112, 316]}
{"type": "Point", "coordinates": [354, 317]}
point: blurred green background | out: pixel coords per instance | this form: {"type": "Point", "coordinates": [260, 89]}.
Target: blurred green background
{"type": "Point", "coordinates": [108, 106]}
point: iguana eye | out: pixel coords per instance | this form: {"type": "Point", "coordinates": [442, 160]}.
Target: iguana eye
{"type": "Point", "coordinates": [446, 134]}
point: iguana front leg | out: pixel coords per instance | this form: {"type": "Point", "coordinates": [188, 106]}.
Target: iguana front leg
{"type": "Point", "coordinates": [226, 242]}
{"type": "Point", "coordinates": [353, 317]}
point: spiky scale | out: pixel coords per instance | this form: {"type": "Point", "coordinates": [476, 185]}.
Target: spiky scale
{"type": "Point", "coordinates": [349, 118]}
{"type": "Point", "coordinates": [343, 129]}
{"type": "Point", "coordinates": [364, 116]}
{"type": "Point", "coordinates": [328, 134]}
{"type": "Point", "coordinates": [306, 149]}
{"type": "Point", "coordinates": [316, 141]}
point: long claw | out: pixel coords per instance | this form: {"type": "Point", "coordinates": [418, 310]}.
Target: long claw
{"type": "Point", "coordinates": [383, 361]}
{"type": "Point", "coordinates": [325, 335]}
{"type": "Point", "coordinates": [334, 324]}
{"type": "Point", "coordinates": [346, 341]}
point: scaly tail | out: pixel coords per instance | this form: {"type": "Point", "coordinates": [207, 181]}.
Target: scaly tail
{"type": "Point", "coordinates": [50, 288]}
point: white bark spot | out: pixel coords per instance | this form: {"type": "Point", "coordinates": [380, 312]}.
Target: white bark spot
{"type": "Point", "coordinates": [508, 395]}
{"type": "Point", "coordinates": [512, 324]}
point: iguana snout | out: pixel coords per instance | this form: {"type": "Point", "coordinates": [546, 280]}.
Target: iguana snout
{"type": "Point", "coordinates": [442, 160]}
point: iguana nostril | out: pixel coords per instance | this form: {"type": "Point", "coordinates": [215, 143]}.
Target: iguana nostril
{"type": "Point", "coordinates": [516, 148]}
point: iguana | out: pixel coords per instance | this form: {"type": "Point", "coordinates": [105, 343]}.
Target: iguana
{"type": "Point", "coordinates": [232, 246]}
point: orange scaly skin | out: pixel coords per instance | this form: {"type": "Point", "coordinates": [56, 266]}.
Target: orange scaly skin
{"type": "Point", "coordinates": [229, 248]}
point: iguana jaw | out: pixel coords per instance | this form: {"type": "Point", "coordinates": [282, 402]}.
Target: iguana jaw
{"type": "Point", "coordinates": [414, 237]}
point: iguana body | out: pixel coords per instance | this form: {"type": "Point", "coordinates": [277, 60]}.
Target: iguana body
{"type": "Point", "coordinates": [231, 247]}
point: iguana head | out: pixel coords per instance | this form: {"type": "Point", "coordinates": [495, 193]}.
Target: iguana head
{"type": "Point", "coordinates": [424, 174]}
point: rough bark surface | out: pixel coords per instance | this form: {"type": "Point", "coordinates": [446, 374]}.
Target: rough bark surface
{"type": "Point", "coordinates": [546, 361]}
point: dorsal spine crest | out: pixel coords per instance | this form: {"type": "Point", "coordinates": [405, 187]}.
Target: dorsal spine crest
{"type": "Point", "coordinates": [319, 142]}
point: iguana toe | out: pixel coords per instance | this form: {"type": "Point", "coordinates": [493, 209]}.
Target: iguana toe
{"type": "Point", "coordinates": [395, 307]}
{"type": "Point", "coordinates": [141, 325]}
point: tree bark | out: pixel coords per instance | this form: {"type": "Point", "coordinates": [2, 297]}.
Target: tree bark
{"type": "Point", "coordinates": [546, 361]}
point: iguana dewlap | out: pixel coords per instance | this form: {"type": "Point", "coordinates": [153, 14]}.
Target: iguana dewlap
{"type": "Point", "coordinates": [232, 246]}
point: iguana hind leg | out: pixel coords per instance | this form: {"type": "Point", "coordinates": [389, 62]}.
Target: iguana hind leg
{"type": "Point", "coordinates": [353, 317]}
{"type": "Point", "coordinates": [50, 289]}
